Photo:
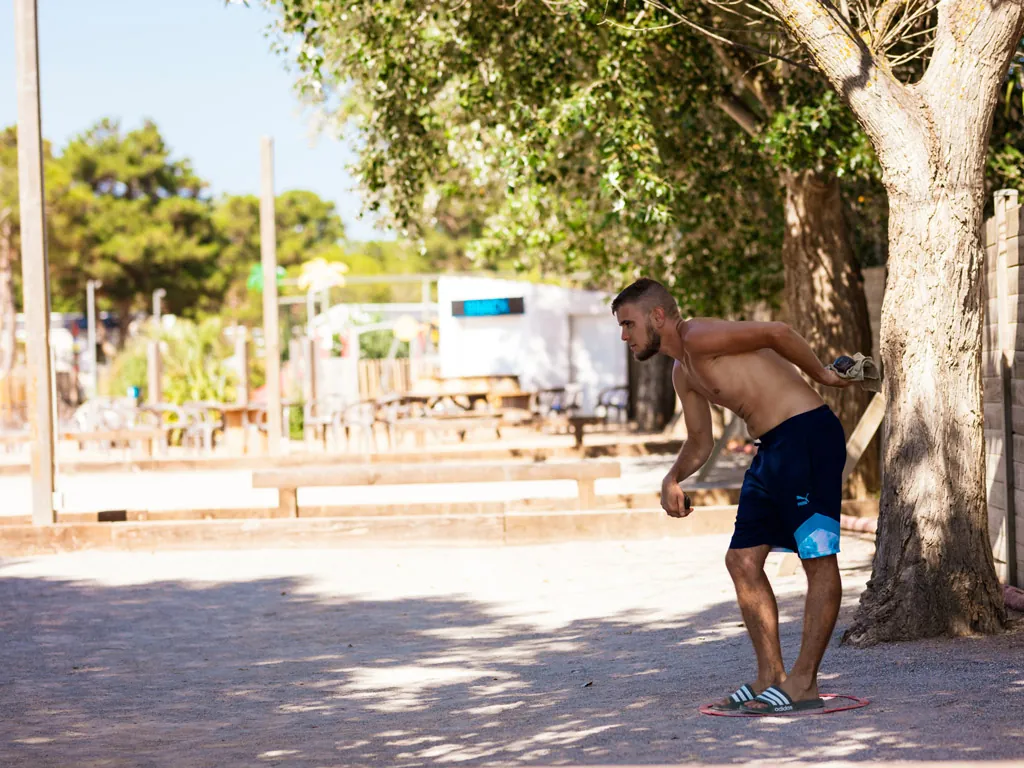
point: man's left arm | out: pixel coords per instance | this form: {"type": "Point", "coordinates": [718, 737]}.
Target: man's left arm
{"type": "Point", "coordinates": [723, 337]}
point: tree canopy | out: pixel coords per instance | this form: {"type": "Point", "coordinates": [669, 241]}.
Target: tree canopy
{"type": "Point", "coordinates": [123, 209]}
{"type": "Point", "coordinates": [308, 227]}
{"type": "Point", "coordinates": [607, 159]}
{"type": "Point", "coordinates": [594, 141]}
{"type": "Point", "coordinates": [135, 218]}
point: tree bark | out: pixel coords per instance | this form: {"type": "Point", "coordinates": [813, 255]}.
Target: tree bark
{"type": "Point", "coordinates": [652, 397]}
{"type": "Point", "coordinates": [7, 312]}
{"type": "Point", "coordinates": [124, 319]}
{"type": "Point", "coordinates": [933, 570]}
{"type": "Point", "coordinates": [824, 298]}
{"type": "Point", "coordinates": [824, 288]}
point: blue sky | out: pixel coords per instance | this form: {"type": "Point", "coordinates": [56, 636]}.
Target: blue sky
{"type": "Point", "coordinates": [202, 70]}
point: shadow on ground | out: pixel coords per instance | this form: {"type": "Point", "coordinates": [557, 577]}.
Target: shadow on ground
{"type": "Point", "coordinates": [267, 672]}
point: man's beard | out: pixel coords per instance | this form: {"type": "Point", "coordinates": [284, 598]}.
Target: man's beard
{"type": "Point", "coordinates": [653, 344]}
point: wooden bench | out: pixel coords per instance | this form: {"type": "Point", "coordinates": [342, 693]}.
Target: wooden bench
{"type": "Point", "coordinates": [577, 423]}
{"type": "Point", "coordinates": [571, 424]}
{"type": "Point", "coordinates": [289, 480]}
{"type": "Point", "coordinates": [439, 424]}
{"type": "Point", "coordinates": [147, 436]}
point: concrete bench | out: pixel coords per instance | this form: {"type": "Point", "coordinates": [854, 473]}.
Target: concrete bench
{"type": "Point", "coordinates": [289, 480]}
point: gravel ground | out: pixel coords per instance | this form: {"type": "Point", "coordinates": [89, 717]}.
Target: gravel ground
{"type": "Point", "coordinates": [577, 654]}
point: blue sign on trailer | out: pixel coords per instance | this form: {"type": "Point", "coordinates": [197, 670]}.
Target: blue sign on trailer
{"type": "Point", "coordinates": [488, 307]}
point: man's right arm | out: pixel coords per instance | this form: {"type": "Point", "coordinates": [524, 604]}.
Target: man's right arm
{"type": "Point", "coordinates": [724, 337]}
{"type": "Point", "coordinates": [699, 440]}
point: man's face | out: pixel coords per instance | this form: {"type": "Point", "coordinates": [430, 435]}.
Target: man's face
{"type": "Point", "coordinates": [638, 331]}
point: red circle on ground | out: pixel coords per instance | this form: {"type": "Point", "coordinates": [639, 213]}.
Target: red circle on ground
{"type": "Point", "coordinates": [834, 702]}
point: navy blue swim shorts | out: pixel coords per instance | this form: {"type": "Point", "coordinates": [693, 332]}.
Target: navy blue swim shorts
{"type": "Point", "coordinates": [793, 490]}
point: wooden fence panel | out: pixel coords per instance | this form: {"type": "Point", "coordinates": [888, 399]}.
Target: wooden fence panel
{"type": "Point", "coordinates": [1004, 282]}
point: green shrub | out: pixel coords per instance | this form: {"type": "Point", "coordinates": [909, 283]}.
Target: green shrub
{"type": "Point", "coordinates": [194, 357]}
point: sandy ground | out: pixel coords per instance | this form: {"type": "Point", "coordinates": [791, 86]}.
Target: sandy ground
{"type": "Point", "coordinates": [569, 654]}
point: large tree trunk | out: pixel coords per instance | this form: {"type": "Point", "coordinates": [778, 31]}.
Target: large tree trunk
{"type": "Point", "coordinates": [652, 398]}
{"type": "Point", "coordinates": [933, 572]}
{"type": "Point", "coordinates": [7, 313]}
{"type": "Point", "coordinates": [124, 319]}
{"type": "Point", "coordinates": [824, 296]}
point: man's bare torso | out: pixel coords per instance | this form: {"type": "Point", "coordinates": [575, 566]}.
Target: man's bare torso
{"type": "Point", "coordinates": [761, 387]}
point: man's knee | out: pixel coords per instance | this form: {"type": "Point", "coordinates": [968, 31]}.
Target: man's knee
{"type": "Point", "coordinates": [821, 566]}
{"type": "Point", "coordinates": [823, 576]}
{"type": "Point", "coordinates": [744, 564]}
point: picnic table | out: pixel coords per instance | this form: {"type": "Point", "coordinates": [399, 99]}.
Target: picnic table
{"type": "Point", "coordinates": [440, 423]}
{"type": "Point", "coordinates": [146, 437]}
{"type": "Point", "coordinates": [240, 423]}
{"type": "Point", "coordinates": [465, 400]}
{"type": "Point", "coordinates": [240, 420]}
{"type": "Point", "coordinates": [469, 393]}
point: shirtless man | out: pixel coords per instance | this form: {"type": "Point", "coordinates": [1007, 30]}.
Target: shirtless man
{"type": "Point", "coordinates": [792, 491]}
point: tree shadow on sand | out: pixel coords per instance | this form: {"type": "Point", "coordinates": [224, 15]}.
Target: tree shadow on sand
{"type": "Point", "coordinates": [270, 672]}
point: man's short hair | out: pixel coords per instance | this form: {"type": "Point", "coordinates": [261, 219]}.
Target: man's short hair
{"type": "Point", "coordinates": [648, 294]}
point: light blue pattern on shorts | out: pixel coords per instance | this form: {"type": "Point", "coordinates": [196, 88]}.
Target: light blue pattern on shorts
{"type": "Point", "coordinates": [818, 536]}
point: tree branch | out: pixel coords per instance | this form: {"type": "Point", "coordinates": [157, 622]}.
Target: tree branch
{"type": "Point", "coordinates": [734, 107]}
{"type": "Point", "coordinates": [883, 17]}
{"type": "Point", "coordinates": [974, 45]}
{"type": "Point", "coordinates": [740, 70]}
{"type": "Point", "coordinates": [711, 34]}
{"type": "Point", "coordinates": [881, 103]}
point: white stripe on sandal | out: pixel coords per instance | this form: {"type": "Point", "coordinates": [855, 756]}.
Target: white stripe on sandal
{"type": "Point", "coordinates": [779, 702]}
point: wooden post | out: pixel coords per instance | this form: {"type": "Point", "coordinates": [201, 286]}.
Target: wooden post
{"type": "Point", "coordinates": [731, 429]}
{"type": "Point", "coordinates": [863, 432]}
{"type": "Point", "coordinates": [1004, 200]}
{"type": "Point", "coordinates": [288, 502]}
{"type": "Point", "coordinates": [585, 493]}
{"type": "Point", "coordinates": [271, 330]}
{"type": "Point", "coordinates": [309, 389]}
{"type": "Point", "coordinates": [309, 395]}
{"type": "Point", "coordinates": [90, 314]}
{"type": "Point", "coordinates": [154, 373]}
{"type": "Point", "coordinates": [35, 271]}
{"type": "Point", "coordinates": [242, 356]}
{"type": "Point", "coordinates": [295, 363]}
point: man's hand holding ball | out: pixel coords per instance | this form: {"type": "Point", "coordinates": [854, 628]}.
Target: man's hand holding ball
{"type": "Point", "coordinates": [673, 500]}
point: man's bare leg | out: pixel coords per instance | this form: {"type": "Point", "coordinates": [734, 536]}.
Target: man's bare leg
{"type": "Point", "coordinates": [824, 594]}
{"type": "Point", "coordinates": [760, 612]}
